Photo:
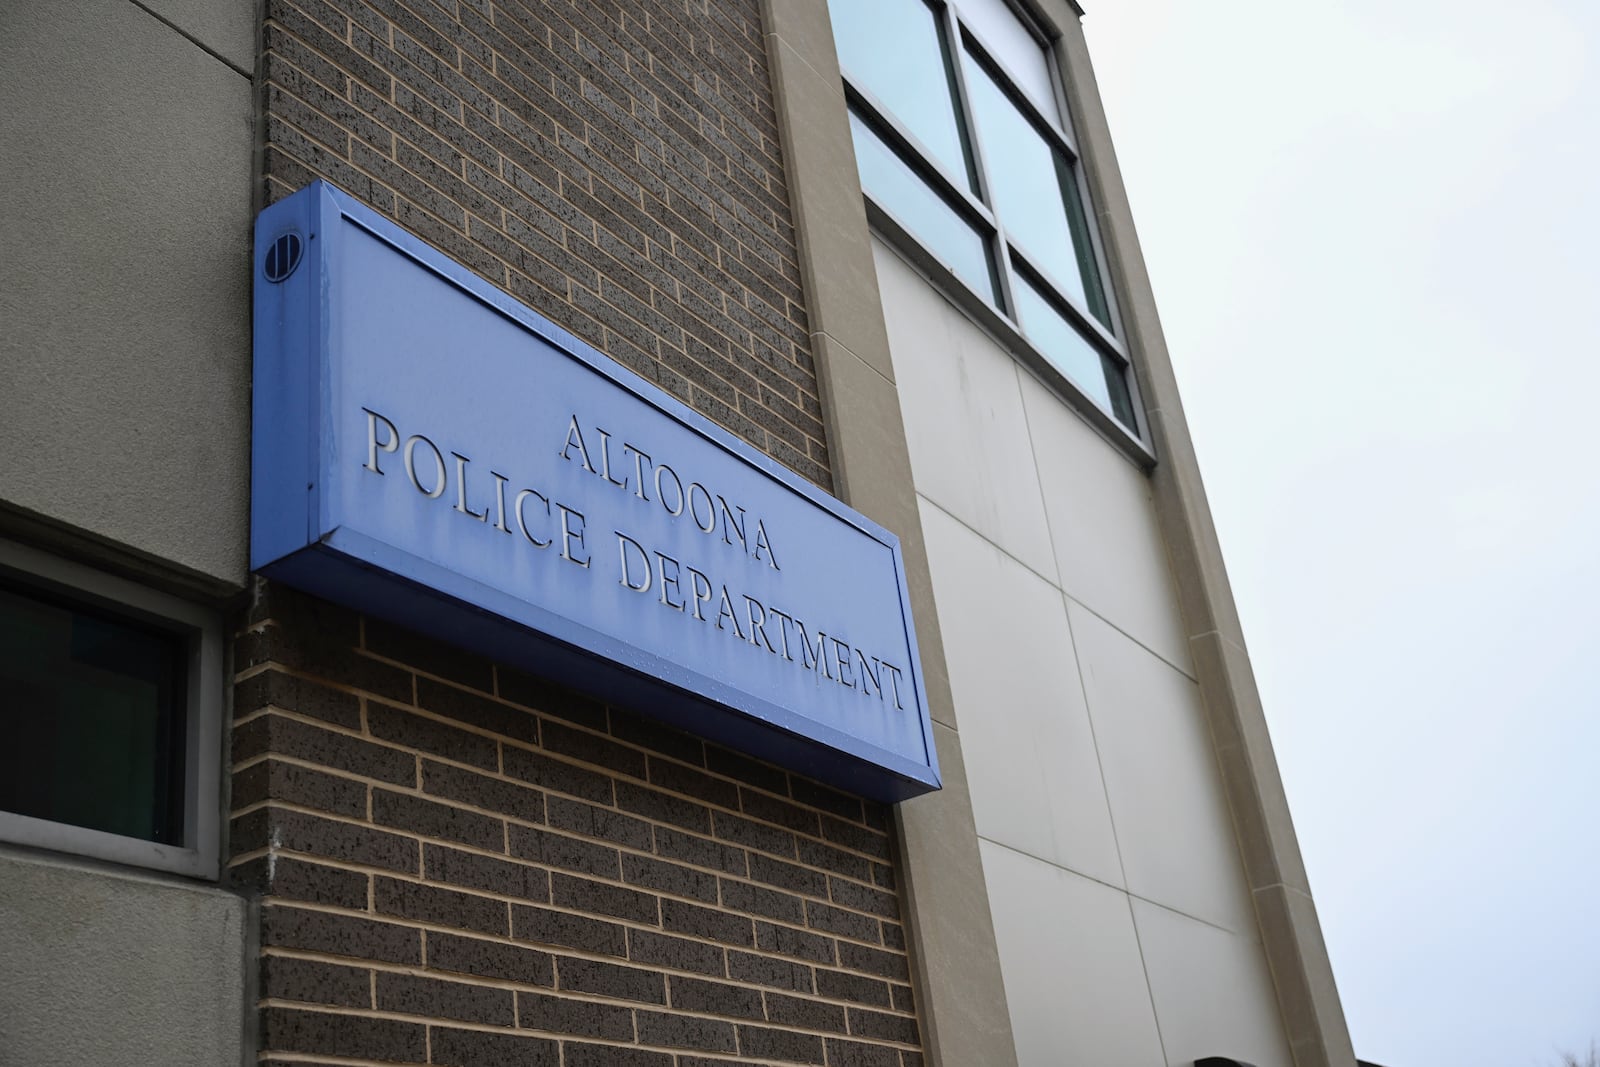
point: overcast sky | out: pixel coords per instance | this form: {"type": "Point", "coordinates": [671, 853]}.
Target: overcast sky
{"type": "Point", "coordinates": [1373, 228]}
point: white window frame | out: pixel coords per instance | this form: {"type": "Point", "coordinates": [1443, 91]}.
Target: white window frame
{"type": "Point", "coordinates": [200, 627]}
{"type": "Point", "coordinates": [977, 212]}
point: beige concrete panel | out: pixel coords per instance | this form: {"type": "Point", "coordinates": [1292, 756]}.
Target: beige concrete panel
{"type": "Point", "coordinates": [1167, 801]}
{"type": "Point", "coordinates": [965, 423]}
{"type": "Point", "coordinates": [1103, 527]}
{"type": "Point", "coordinates": [959, 992]}
{"type": "Point", "coordinates": [125, 362]}
{"type": "Point", "coordinates": [1074, 979]}
{"type": "Point", "coordinates": [226, 27]}
{"type": "Point", "coordinates": [1307, 995]}
{"type": "Point", "coordinates": [825, 194]}
{"type": "Point", "coordinates": [1249, 767]}
{"type": "Point", "coordinates": [1301, 970]}
{"type": "Point", "coordinates": [1212, 991]}
{"type": "Point", "coordinates": [961, 996]}
{"type": "Point", "coordinates": [105, 969]}
{"type": "Point", "coordinates": [1029, 747]}
{"type": "Point", "coordinates": [871, 467]}
{"type": "Point", "coordinates": [804, 25]}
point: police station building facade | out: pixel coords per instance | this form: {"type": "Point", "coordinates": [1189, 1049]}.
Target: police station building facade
{"type": "Point", "coordinates": [561, 532]}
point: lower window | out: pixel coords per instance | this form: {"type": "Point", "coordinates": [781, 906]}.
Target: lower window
{"type": "Point", "coordinates": [109, 717]}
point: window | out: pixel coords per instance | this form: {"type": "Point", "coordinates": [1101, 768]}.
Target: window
{"type": "Point", "coordinates": [109, 717]}
{"type": "Point", "coordinates": [962, 143]}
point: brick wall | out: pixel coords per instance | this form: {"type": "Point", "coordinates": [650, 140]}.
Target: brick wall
{"type": "Point", "coordinates": [614, 166]}
{"type": "Point", "coordinates": [460, 864]}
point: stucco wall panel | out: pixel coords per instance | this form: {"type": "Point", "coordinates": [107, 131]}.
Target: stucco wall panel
{"type": "Point", "coordinates": [105, 969]}
{"type": "Point", "coordinates": [125, 361]}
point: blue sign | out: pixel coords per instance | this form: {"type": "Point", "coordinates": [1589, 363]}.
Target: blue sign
{"type": "Point", "coordinates": [429, 450]}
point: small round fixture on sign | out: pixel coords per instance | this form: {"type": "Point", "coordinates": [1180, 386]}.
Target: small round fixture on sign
{"type": "Point", "coordinates": [283, 257]}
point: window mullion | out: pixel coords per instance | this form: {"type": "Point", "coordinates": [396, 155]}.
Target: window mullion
{"type": "Point", "coordinates": [1002, 247]}
{"type": "Point", "coordinates": [915, 153]}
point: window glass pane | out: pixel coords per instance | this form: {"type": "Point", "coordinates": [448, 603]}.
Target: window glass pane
{"type": "Point", "coordinates": [1028, 192]}
{"type": "Point", "coordinates": [894, 50]}
{"type": "Point", "coordinates": [893, 184]}
{"type": "Point", "coordinates": [1097, 374]}
{"type": "Point", "coordinates": [1015, 49]}
{"type": "Point", "coordinates": [91, 719]}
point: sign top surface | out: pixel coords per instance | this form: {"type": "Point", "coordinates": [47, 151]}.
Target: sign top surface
{"type": "Point", "coordinates": [466, 455]}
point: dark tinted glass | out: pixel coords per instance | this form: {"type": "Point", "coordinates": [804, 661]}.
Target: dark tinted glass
{"type": "Point", "coordinates": [91, 718]}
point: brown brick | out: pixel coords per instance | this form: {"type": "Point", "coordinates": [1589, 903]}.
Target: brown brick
{"type": "Point", "coordinates": [480, 1048]}
{"type": "Point", "coordinates": [439, 907]}
{"type": "Point", "coordinates": [407, 994]}
{"type": "Point", "coordinates": [803, 1013]}
{"type": "Point", "coordinates": [342, 842]}
{"type": "Point", "coordinates": [545, 927]}
{"type": "Point", "coordinates": [766, 971]}
{"type": "Point", "coordinates": [759, 805]}
{"type": "Point", "coordinates": [677, 778]}
{"type": "Point", "coordinates": [556, 775]}
{"type": "Point", "coordinates": [610, 980]}
{"type": "Point", "coordinates": [893, 935]}
{"type": "Point", "coordinates": [483, 791]}
{"type": "Point", "coordinates": [401, 727]}
{"type": "Point", "coordinates": [689, 814]}
{"type": "Point", "coordinates": [882, 1025]}
{"type": "Point", "coordinates": [576, 1055]}
{"type": "Point", "coordinates": [295, 784]}
{"type": "Point", "coordinates": [764, 1043]}
{"type": "Point", "coordinates": [813, 795]}
{"type": "Point", "coordinates": [843, 923]}
{"type": "Point", "coordinates": [715, 998]}
{"type": "Point", "coordinates": [567, 853]}
{"type": "Point", "coordinates": [314, 982]}
{"type": "Point", "coordinates": [299, 695]}
{"type": "Point", "coordinates": [293, 1030]}
{"type": "Point", "coordinates": [582, 745]}
{"type": "Point", "coordinates": [761, 775]}
{"type": "Point", "coordinates": [843, 1053]}
{"type": "Point", "coordinates": [662, 950]}
{"type": "Point", "coordinates": [817, 854]}
{"type": "Point", "coordinates": [759, 900]}
{"type": "Point", "coordinates": [566, 1015]}
{"type": "Point", "coordinates": [873, 961]}
{"type": "Point", "coordinates": [864, 898]}
{"type": "Point", "coordinates": [669, 878]}
{"type": "Point", "coordinates": [788, 876]}
{"type": "Point", "coordinates": [469, 870]}
{"type": "Point", "coordinates": [902, 999]}
{"type": "Point", "coordinates": [414, 814]}
{"type": "Point", "coordinates": [293, 879]}
{"type": "Point", "coordinates": [592, 821]}
{"type": "Point", "coordinates": [841, 985]}
{"type": "Point", "coordinates": [472, 709]}
{"type": "Point", "coordinates": [709, 923]}
{"type": "Point", "coordinates": [549, 698]}
{"type": "Point", "coordinates": [787, 941]}
{"type": "Point", "coordinates": [700, 851]}
{"type": "Point", "coordinates": [686, 1031]}
{"type": "Point", "coordinates": [489, 959]}
{"type": "Point", "coordinates": [654, 735]}
{"type": "Point", "coordinates": [601, 898]}
{"type": "Point", "coordinates": [281, 736]}
{"type": "Point", "coordinates": [326, 661]}
{"type": "Point", "coordinates": [856, 837]}
{"type": "Point", "coordinates": [755, 835]}
{"type": "Point", "coordinates": [427, 654]}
